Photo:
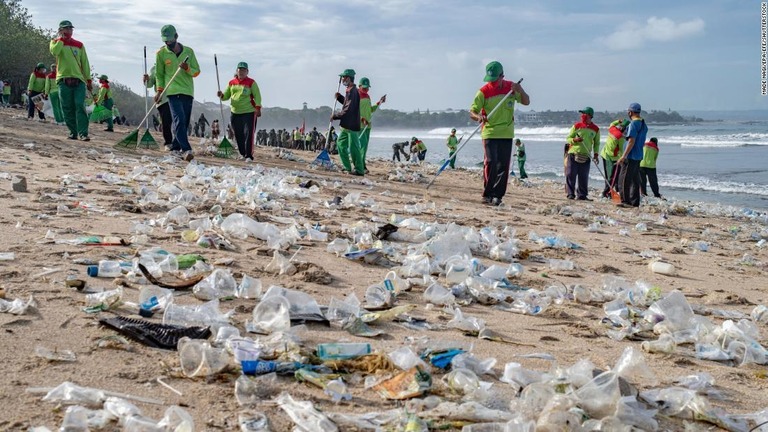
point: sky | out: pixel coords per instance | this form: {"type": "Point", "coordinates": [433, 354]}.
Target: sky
{"type": "Point", "coordinates": [431, 54]}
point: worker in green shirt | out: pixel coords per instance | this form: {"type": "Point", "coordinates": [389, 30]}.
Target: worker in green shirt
{"type": "Point", "coordinates": [36, 87]}
{"type": "Point", "coordinates": [366, 110]}
{"type": "Point", "coordinates": [349, 120]}
{"type": "Point", "coordinates": [453, 143]}
{"type": "Point", "coordinates": [583, 141]}
{"type": "Point", "coordinates": [6, 93]}
{"type": "Point", "coordinates": [73, 76]}
{"type": "Point", "coordinates": [104, 98]}
{"type": "Point", "coordinates": [52, 92]}
{"type": "Point", "coordinates": [648, 168]}
{"type": "Point", "coordinates": [181, 91]}
{"type": "Point", "coordinates": [246, 108]}
{"type": "Point", "coordinates": [611, 152]}
{"type": "Point", "coordinates": [498, 131]}
{"type": "Point", "coordinates": [521, 158]}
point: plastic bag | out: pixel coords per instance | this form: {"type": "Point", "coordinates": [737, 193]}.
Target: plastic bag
{"type": "Point", "coordinates": [280, 265]}
{"type": "Point", "coordinates": [304, 415]}
{"type": "Point", "coordinates": [468, 324]}
{"type": "Point", "coordinates": [219, 284]}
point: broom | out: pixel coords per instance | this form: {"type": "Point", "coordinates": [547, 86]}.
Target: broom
{"type": "Point", "coordinates": [133, 137]}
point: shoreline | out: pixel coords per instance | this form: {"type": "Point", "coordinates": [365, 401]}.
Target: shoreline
{"type": "Point", "coordinates": [716, 279]}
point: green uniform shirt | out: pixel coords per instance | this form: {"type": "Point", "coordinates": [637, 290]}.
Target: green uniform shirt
{"type": "Point", "coordinates": [366, 109]}
{"type": "Point", "coordinates": [521, 152]}
{"type": "Point", "coordinates": [166, 64]}
{"type": "Point", "coordinates": [614, 147]}
{"type": "Point", "coordinates": [502, 124]}
{"type": "Point", "coordinates": [7, 90]}
{"type": "Point", "coordinates": [104, 93]}
{"type": "Point", "coordinates": [245, 95]}
{"type": "Point", "coordinates": [452, 143]}
{"type": "Point", "coordinates": [650, 154]}
{"type": "Point", "coordinates": [420, 146]}
{"type": "Point", "coordinates": [50, 84]}
{"type": "Point", "coordinates": [36, 82]}
{"type": "Point", "coordinates": [71, 60]}
{"type": "Point", "coordinates": [590, 135]}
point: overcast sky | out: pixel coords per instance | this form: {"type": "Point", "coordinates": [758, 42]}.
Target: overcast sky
{"type": "Point", "coordinates": [683, 55]}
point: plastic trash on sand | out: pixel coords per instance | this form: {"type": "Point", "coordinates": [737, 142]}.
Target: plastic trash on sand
{"type": "Point", "coordinates": [519, 377]}
{"type": "Point", "coordinates": [438, 295]}
{"type": "Point", "coordinates": [466, 383]}
{"type": "Point", "coordinates": [17, 306]}
{"type": "Point", "coordinates": [55, 355]}
{"type": "Point", "coordinates": [77, 418]}
{"type": "Point", "coordinates": [600, 396]}
{"type": "Point", "coordinates": [304, 415]}
{"type": "Point", "coordinates": [671, 314]}
{"type": "Point", "coordinates": [467, 324]}
{"type": "Point", "coordinates": [303, 306]}
{"type": "Point", "coordinates": [252, 390]}
{"type": "Point", "coordinates": [280, 265]}
{"type": "Point", "coordinates": [469, 361]}
{"type": "Point", "coordinates": [405, 385]}
{"type": "Point", "coordinates": [219, 284]}
{"type": "Point", "coordinates": [272, 314]}
{"type": "Point", "coordinates": [204, 315]}
{"type": "Point", "coordinates": [249, 288]}
{"type": "Point", "coordinates": [199, 358]}
{"type": "Point", "coordinates": [468, 412]}
{"type": "Point", "coordinates": [252, 421]}
{"type": "Point", "coordinates": [68, 393]}
{"type": "Point", "coordinates": [405, 359]}
{"type": "Point", "coordinates": [632, 367]}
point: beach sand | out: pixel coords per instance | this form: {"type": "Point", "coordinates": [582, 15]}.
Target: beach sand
{"type": "Point", "coordinates": [569, 332]}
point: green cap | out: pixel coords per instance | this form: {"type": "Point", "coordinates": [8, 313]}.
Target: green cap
{"type": "Point", "coordinates": [168, 32]}
{"type": "Point", "coordinates": [413, 139]}
{"type": "Point", "coordinates": [365, 82]}
{"type": "Point", "coordinates": [493, 71]}
{"type": "Point", "coordinates": [453, 130]}
{"type": "Point", "coordinates": [53, 65]}
{"type": "Point", "coordinates": [588, 111]}
{"type": "Point", "coordinates": [348, 73]}
{"type": "Point", "coordinates": [242, 65]}
{"type": "Point", "coordinates": [40, 66]}
{"type": "Point", "coordinates": [624, 124]}
{"type": "Point", "coordinates": [66, 24]}
{"type": "Point", "coordinates": [103, 78]}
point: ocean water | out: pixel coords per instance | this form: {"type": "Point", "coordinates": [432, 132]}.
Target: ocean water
{"type": "Point", "coordinates": [717, 162]}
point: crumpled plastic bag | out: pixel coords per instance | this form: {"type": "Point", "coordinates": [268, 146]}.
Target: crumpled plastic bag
{"type": "Point", "coordinates": [17, 306]}
{"type": "Point", "coordinates": [280, 265]}
{"type": "Point", "coordinates": [219, 284]}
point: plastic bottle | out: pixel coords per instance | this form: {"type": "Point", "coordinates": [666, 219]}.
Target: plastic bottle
{"type": "Point", "coordinates": [339, 351]}
{"type": "Point", "coordinates": [663, 268]}
{"type": "Point", "coordinates": [105, 269]}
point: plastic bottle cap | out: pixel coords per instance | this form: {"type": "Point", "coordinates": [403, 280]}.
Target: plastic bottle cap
{"type": "Point", "coordinates": [93, 271]}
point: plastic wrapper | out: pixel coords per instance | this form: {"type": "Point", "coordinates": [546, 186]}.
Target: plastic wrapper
{"type": "Point", "coordinates": [219, 284]}
{"type": "Point", "coordinates": [304, 415]}
{"type": "Point", "coordinates": [467, 324]}
{"type": "Point", "coordinates": [405, 385]}
{"type": "Point", "coordinates": [469, 361]}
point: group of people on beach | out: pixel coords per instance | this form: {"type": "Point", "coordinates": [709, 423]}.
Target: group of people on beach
{"type": "Point", "coordinates": [627, 159]}
{"type": "Point", "coordinates": [629, 162]}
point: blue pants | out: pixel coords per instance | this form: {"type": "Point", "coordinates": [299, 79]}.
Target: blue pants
{"type": "Point", "coordinates": [576, 178]}
{"type": "Point", "coordinates": [181, 112]}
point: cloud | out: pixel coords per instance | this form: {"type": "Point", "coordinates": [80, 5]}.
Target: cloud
{"type": "Point", "coordinates": [633, 35]}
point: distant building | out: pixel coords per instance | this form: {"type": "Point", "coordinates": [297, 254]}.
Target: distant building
{"type": "Point", "coordinates": [528, 118]}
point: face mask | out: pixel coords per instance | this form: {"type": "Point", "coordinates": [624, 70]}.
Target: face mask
{"type": "Point", "coordinates": [170, 44]}
{"type": "Point", "coordinates": [585, 118]}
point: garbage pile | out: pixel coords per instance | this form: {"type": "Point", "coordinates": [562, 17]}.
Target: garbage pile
{"type": "Point", "coordinates": [444, 384]}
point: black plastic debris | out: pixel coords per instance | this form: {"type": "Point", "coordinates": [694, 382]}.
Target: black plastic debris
{"type": "Point", "coordinates": [385, 230]}
{"type": "Point", "coordinates": [154, 335]}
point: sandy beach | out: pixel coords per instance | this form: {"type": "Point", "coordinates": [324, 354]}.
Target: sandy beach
{"type": "Point", "coordinates": [72, 173]}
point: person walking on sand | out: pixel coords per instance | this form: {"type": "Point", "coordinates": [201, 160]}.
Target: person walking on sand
{"type": "Point", "coordinates": [163, 108]}
{"type": "Point", "coordinates": [520, 153]}
{"type": "Point", "coordinates": [245, 107]}
{"type": "Point", "coordinates": [52, 92]}
{"type": "Point", "coordinates": [349, 120]}
{"type": "Point", "coordinates": [215, 130]}
{"type": "Point", "coordinates": [104, 98]}
{"type": "Point", "coordinates": [73, 76]}
{"type": "Point", "coordinates": [203, 122]}
{"type": "Point", "coordinates": [452, 143]}
{"type": "Point", "coordinates": [611, 152]}
{"type": "Point", "coordinates": [630, 159]}
{"type": "Point", "coordinates": [366, 111]}
{"type": "Point", "coordinates": [498, 131]}
{"type": "Point", "coordinates": [36, 87]}
{"type": "Point", "coordinates": [648, 168]}
{"type": "Point", "coordinates": [6, 93]}
{"type": "Point", "coordinates": [181, 91]}
{"type": "Point", "coordinates": [583, 139]}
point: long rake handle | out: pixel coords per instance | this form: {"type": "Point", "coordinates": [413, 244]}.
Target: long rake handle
{"type": "Point", "coordinates": [146, 93]}
{"type": "Point", "coordinates": [168, 84]}
{"type": "Point", "coordinates": [218, 86]}
{"type": "Point", "coordinates": [445, 164]}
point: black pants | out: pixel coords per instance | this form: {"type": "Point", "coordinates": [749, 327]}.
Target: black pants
{"type": "Point", "coordinates": [396, 150]}
{"type": "Point", "coordinates": [244, 126]}
{"type": "Point", "coordinates": [630, 183]}
{"type": "Point", "coordinates": [498, 155]}
{"type": "Point", "coordinates": [649, 175]}
{"type": "Point", "coordinates": [167, 121]}
{"type": "Point", "coordinates": [612, 170]}
{"type": "Point", "coordinates": [576, 178]}
{"type": "Point", "coordinates": [31, 106]}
